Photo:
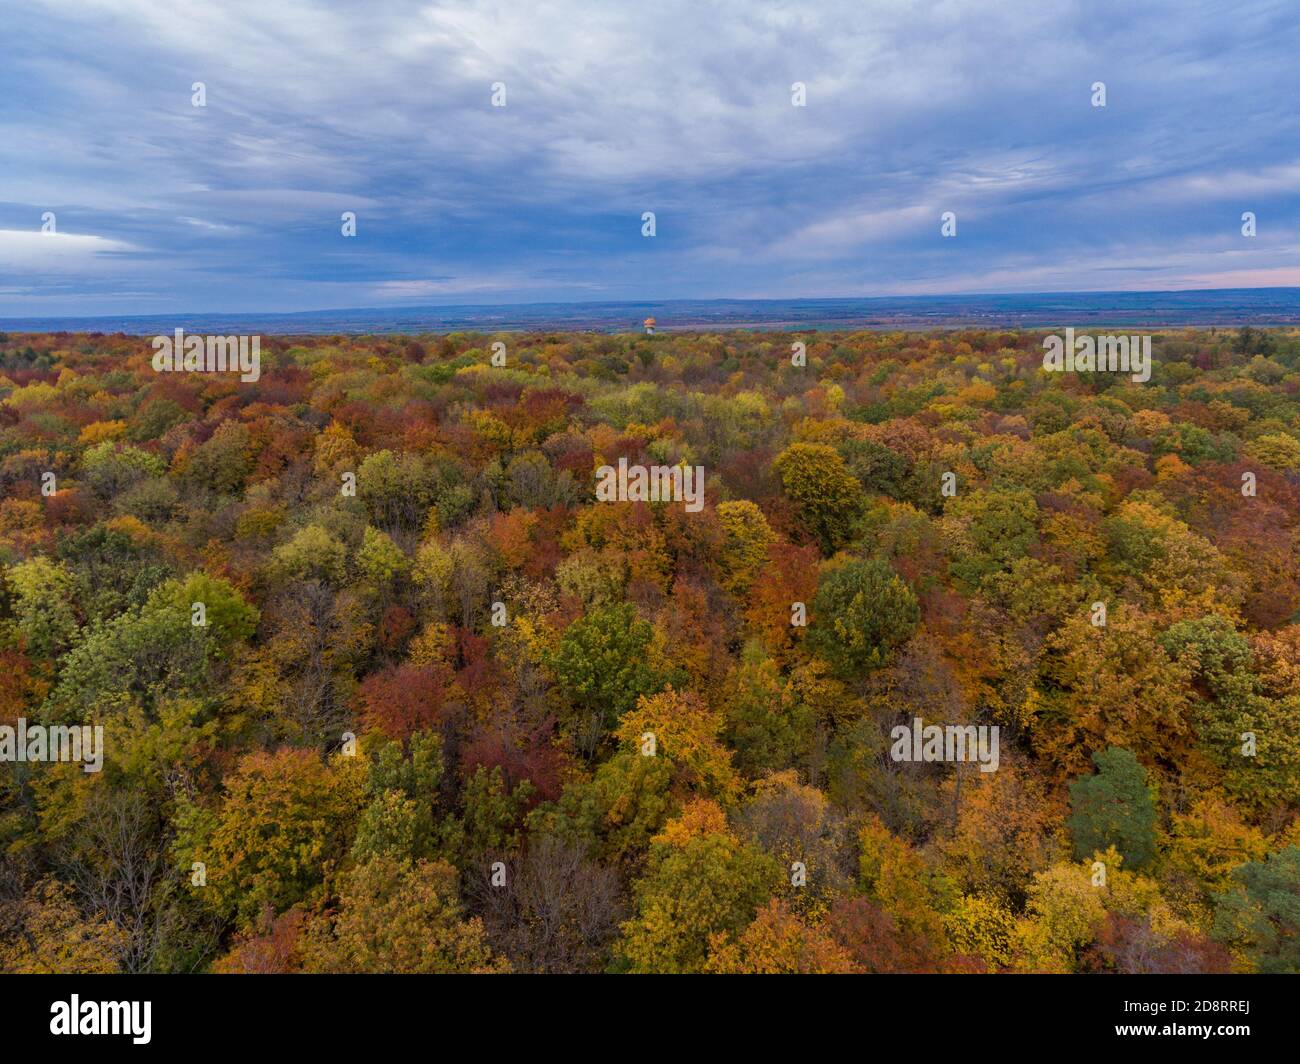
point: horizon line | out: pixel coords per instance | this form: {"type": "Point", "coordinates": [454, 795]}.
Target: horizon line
{"type": "Point", "coordinates": [645, 303]}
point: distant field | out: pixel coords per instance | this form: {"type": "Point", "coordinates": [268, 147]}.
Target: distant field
{"type": "Point", "coordinates": [1208, 308]}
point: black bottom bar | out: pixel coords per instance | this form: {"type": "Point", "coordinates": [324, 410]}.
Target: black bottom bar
{"type": "Point", "coordinates": [508, 1013]}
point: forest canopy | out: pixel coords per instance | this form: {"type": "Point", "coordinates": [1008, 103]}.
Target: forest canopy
{"type": "Point", "coordinates": [384, 686]}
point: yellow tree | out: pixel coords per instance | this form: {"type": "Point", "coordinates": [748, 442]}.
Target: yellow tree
{"type": "Point", "coordinates": [779, 942]}
{"type": "Point", "coordinates": [679, 726]}
{"type": "Point", "coordinates": [701, 881]}
{"type": "Point", "coordinates": [49, 935]}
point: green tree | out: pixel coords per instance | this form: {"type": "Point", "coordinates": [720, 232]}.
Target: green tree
{"type": "Point", "coordinates": [987, 531]}
{"type": "Point", "coordinates": [767, 724]}
{"type": "Point", "coordinates": [403, 792]}
{"type": "Point", "coordinates": [109, 469]}
{"type": "Point", "coordinates": [878, 468]}
{"type": "Point", "coordinates": [1230, 705]}
{"type": "Point", "coordinates": [862, 612]}
{"type": "Point", "coordinates": [614, 814]}
{"type": "Point", "coordinates": [380, 560]}
{"type": "Point", "coordinates": [1114, 808]}
{"type": "Point", "coordinates": [601, 667]}
{"type": "Point", "coordinates": [137, 658]}
{"type": "Point", "coordinates": [228, 618]}
{"type": "Point", "coordinates": [395, 488]}
{"type": "Point", "coordinates": [43, 604]}
{"type": "Point", "coordinates": [1262, 915]}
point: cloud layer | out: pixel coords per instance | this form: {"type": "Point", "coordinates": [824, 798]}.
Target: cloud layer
{"type": "Point", "coordinates": [616, 108]}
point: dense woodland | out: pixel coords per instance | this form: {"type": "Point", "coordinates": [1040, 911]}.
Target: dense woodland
{"type": "Point", "coordinates": [359, 763]}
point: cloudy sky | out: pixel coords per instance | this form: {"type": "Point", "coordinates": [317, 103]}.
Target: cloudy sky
{"type": "Point", "coordinates": [616, 107]}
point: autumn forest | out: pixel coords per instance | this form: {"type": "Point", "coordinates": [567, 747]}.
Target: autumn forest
{"type": "Point", "coordinates": [386, 684]}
